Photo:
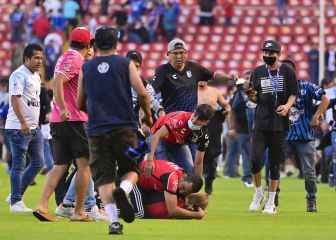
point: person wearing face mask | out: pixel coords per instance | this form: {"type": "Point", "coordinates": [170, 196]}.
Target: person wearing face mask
{"type": "Point", "coordinates": [274, 88]}
{"type": "Point", "coordinates": [172, 133]}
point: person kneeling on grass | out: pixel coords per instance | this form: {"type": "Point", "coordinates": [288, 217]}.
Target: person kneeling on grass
{"type": "Point", "coordinates": [164, 191]}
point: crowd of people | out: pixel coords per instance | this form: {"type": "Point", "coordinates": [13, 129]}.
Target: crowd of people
{"type": "Point", "coordinates": [114, 145]}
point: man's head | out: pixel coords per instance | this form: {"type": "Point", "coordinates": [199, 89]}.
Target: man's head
{"type": "Point", "coordinates": [203, 84]}
{"type": "Point", "coordinates": [33, 57]}
{"type": "Point", "coordinates": [190, 184]}
{"type": "Point", "coordinates": [136, 58]}
{"type": "Point", "coordinates": [177, 53]}
{"type": "Point", "coordinates": [201, 117]}
{"type": "Point", "coordinates": [197, 200]}
{"type": "Point", "coordinates": [80, 39]}
{"type": "Point", "coordinates": [106, 38]}
{"type": "Point", "coordinates": [271, 52]}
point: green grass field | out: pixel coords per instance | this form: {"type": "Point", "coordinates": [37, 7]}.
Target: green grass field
{"type": "Point", "coordinates": [227, 218]}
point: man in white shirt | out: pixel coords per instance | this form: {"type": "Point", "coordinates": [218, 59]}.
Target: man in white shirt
{"type": "Point", "coordinates": [331, 63]}
{"type": "Point", "coordinates": [22, 129]}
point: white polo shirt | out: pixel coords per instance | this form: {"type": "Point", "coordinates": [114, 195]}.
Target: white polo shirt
{"type": "Point", "coordinates": [28, 85]}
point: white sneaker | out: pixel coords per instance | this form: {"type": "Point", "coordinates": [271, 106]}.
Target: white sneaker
{"type": "Point", "coordinates": [248, 184]}
{"type": "Point", "coordinates": [8, 199]}
{"type": "Point", "coordinates": [19, 207]}
{"type": "Point", "coordinates": [256, 202]}
{"type": "Point", "coordinates": [269, 209]}
{"type": "Point", "coordinates": [65, 212]}
{"type": "Point", "coordinates": [96, 214]}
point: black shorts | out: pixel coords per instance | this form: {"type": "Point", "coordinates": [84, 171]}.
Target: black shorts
{"type": "Point", "coordinates": [274, 141]}
{"type": "Point", "coordinates": [69, 142]}
{"type": "Point", "coordinates": [108, 155]}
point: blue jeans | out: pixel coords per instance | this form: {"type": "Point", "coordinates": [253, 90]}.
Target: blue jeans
{"type": "Point", "coordinates": [48, 157]}
{"type": "Point", "coordinates": [244, 148]}
{"type": "Point", "coordinates": [21, 177]}
{"type": "Point", "coordinates": [179, 154]}
{"type": "Point", "coordinates": [306, 154]}
{"type": "Point", "coordinates": [232, 154]}
{"type": "Point", "coordinates": [70, 196]}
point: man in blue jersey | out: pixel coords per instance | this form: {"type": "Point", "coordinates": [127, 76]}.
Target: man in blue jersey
{"type": "Point", "coordinates": [105, 92]}
{"type": "Point", "coordinates": [303, 118]}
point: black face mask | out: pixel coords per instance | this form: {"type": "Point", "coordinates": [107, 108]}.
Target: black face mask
{"type": "Point", "coordinates": [269, 60]}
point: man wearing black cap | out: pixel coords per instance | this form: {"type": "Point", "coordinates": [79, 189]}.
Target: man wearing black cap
{"type": "Point", "coordinates": [177, 80]}
{"type": "Point", "coordinates": [105, 93]}
{"type": "Point", "coordinates": [274, 89]}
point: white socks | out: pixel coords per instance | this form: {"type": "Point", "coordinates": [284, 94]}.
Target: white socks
{"type": "Point", "coordinates": [259, 190]}
{"type": "Point", "coordinates": [271, 197]}
{"type": "Point", "coordinates": [112, 213]}
{"type": "Point", "coordinates": [127, 186]}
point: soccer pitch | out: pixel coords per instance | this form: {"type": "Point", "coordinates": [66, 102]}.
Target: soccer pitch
{"type": "Point", "coordinates": [227, 218]}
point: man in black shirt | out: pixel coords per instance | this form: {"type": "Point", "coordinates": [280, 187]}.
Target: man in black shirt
{"type": "Point", "coordinates": [274, 89]}
{"type": "Point", "coordinates": [177, 80]}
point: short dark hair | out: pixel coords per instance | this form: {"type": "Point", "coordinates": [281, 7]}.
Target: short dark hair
{"type": "Point", "coordinates": [135, 56]}
{"type": "Point", "coordinates": [106, 38]}
{"type": "Point", "coordinates": [197, 182]}
{"type": "Point", "coordinates": [28, 52]}
{"type": "Point", "coordinates": [78, 45]}
{"type": "Point", "coordinates": [204, 112]}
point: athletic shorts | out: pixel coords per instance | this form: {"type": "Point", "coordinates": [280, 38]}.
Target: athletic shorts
{"type": "Point", "coordinates": [69, 142]}
{"type": "Point", "coordinates": [108, 156]}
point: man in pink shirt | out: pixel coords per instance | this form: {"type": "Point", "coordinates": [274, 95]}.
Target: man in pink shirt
{"type": "Point", "coordinates": [69, 137]}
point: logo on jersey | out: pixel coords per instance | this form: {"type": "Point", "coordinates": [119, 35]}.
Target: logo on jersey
{"type": "Point", "coordinates": [303, 92]}
{"type": "Point", "coordinates": [174, 76]}
{"type": "Point", "coordinates": [103, 67]}
{"type": "Point", "coordinates": [189, 75]}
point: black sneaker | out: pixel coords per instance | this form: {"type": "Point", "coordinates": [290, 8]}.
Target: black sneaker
{"type": "Point", "coordinates": [276, 199]}
{"type": "Point", "coordinates": [116, 228]}
{"type": "Point", "coordinates": [126, 209]}
{"type": "Point", "coordinates": [208, 187]}
{"type": "Point", "coordinates": [311, 205]}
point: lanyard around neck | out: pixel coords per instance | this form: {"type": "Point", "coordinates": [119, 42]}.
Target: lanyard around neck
{"type": "Point", "coordinates": [274, 82]}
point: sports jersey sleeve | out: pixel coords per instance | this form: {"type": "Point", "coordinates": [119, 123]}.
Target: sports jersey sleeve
{"type": "Point", "coordinates": [170, 182]}
{"type": "Point", "coordinates": [69, 66]}
{"type": "Point", "coordinates": [16, 84]}
{"type": "Point", "coordinates": [158, 79]}
{"type": "Point", "coordinates": [316, 91]}
{"type": "Point", "coordinates": [205, 73]}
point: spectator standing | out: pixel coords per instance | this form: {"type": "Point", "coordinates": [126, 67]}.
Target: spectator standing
{"type": "Point", "coordinates": [228, 12]}
{"type": "Point", "coordinates": [206, 14]}
{"type": "Point", "coordinates": [112, 76]}
{"type": "Point", "coordinates": [330, 62]}
{"type": "Point", "coordinates": [104, 5]}
{"type": "Point", "coordinates": [119, 18]}
{"type": "Point", "coordinates": [22, 125]}
{"type": "Point", "coordinates": [282, 10]}
{"type": "Point", "coordinates": [303, 116]}
{"type": "Point", "coordinates": [313, 62]}
{"type": "Point", "coordinates": [70, 10]}
{"type": "Point", "coordinates": [17, 22]}
{"type": "Point", "coordinates": [41, 26]}
{"type": "Point", "coordinates": [69, 137]}
{"type": "Point", "coordinates": [274, 89]}
{"type": "Point", "coordinates": [52, 7]}
{"type": "Point", "coordinates": [170, 18]}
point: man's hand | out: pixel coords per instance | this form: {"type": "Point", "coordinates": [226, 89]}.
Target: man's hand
{"type": "Point", "coordinates": [149, 167]}
{"type": "Point", "coordinates": [200, 213]}
{"type": "Point", "coordinates": [25, 128]}
{"type": "Point", "coordinates": [252, 94]}
{"type": "Point", "coordinates": [65, 115]}
{"type": "Point", "coordinates": [282, 110]}
{"type": "Point", "coordinates": [148, 120]}
{"type": "Point", "coordinates": [315, 122]}
{"type": "Point", "coordinates": [232, 133]}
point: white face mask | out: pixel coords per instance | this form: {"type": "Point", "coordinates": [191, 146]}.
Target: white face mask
{"type": "Point", "coordinates": [192, 126]}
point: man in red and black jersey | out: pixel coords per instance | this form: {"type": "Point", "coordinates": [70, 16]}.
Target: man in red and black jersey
{"type": "Point", "coordinates": [172, 133]}
{"type": "Point", "coordinates": [165, 190]}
